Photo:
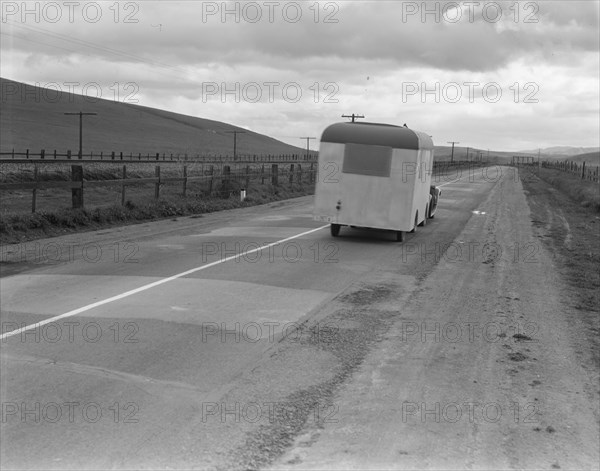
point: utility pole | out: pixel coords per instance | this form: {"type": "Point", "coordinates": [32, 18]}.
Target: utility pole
{"type": "Point", "coordinates": [353, 116]}
{"type": "Point", "coordinates": [81, 114]}
{"type": "Point", "coordinates": [452, 156]}
{"type": "Point", "coordinates": [467, 154]}
{"type": "Point", "coordinates": [235, 133]}
{"type": "Point", "coordinates": [307, 147]}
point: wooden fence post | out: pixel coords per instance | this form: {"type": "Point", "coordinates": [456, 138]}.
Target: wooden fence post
{"type": "Point", "coordinates": [123, 185]}
{"type": "Point", "coordinates": [274, 175]}
{"type": "Point", "coordinates": [291, 174]}
{"type": "Point", "coordinates": [34, 191]}
{"type": "Point", "coordinates": [225, 181]}
{"type": "Point", "coordinates": [212, 180]}
{"type": "Point", "coordinates": [69, 154]}
{"type": "Point", "coordinates": [184, 190]}
{"type": "Point", "coordinates": [583, 171]}
{"type": "Point", "coordinates": [262, 174]}
{"type": "Point", "coordinates": [247, 177]}
{"type": "Point", "coordinates": [157, 184]}
{"type": "Point", "coordinates": [112, 155]}
{"type": "Point", "coordinates": [42, 154]}
{"type": "Point", "coordinates": [77, 193]}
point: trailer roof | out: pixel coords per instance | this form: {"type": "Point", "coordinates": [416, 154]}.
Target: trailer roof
{"type": "Point", "coordinates": [397, 137]}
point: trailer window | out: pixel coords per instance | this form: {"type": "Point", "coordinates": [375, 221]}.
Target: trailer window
{"type": "Point", "coordinates": [362, 159]}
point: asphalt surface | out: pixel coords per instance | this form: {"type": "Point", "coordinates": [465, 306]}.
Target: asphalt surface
{"type": "Point", "coordinates": [183, 344]}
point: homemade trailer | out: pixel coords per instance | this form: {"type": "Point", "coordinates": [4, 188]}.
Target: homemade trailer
{"type": "Point", "coordinates": [375, 175]}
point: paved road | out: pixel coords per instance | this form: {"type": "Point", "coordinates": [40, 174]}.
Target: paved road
{"type": "Point", "coordinates": [181, 344]}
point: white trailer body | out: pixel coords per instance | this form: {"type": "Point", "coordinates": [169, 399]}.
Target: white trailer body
{"type": "Point", "coordinates": [374, 175]}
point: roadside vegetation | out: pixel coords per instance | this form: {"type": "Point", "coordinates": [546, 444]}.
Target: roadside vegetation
{"type": "Point", "coordinates": [20, 227]}
{"type": "Point", "coordinates": [103, 207]}
{"type": "Point", "coordinates": [583, 192]}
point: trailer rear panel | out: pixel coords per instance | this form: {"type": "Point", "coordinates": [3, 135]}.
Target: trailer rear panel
{"type": "Point", "coordinates": [373, 175]}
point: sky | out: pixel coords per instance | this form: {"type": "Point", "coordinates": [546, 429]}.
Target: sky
{"type": "Point", "coordinates": [501, 75]}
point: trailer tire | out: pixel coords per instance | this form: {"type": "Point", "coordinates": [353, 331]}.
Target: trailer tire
{"type": "Point", "coordinates": [414, 229]}
{"type": "Point", "coordinates": [424, 223]}
{"type": "Point", "coordinates": [335, 230]}
{"type": "Point", "coordinates": [399, 236]}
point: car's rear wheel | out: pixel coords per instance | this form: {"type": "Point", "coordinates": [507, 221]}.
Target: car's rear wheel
{"type": "Point", "coordinates": [399, 236]}
{"type": "Point", "coordinates": [335, 230]}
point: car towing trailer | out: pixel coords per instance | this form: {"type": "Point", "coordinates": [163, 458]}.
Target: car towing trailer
{"type": "Point", "coordinates": [375, 175]}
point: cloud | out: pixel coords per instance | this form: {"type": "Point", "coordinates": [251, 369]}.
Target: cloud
{"type": "Point", "coordinates": [360, 54]}
{"type": "Point", "coordinates": [404, 33]}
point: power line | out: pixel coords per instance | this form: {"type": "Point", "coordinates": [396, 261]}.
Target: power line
{"type": "Point", "coordinates": [353, 116]}
{"type": "Point", "coordinates": [452, 156]}
{"type": "Point", "coordinates": [307, 145]}
{"type": "Point", "coordinates": [81, 115]}
{"type": "Point", "coordinates": [235, 133]}
{"type": "Point", "coordinates": [90, 45]}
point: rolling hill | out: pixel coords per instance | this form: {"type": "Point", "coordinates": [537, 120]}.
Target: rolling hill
{"type": "Point", "coordinates": [33, 118]}
{"type": "Point", "coordinates": [562, 152]}
{"type": "Point", "coordinates": [592, 158]}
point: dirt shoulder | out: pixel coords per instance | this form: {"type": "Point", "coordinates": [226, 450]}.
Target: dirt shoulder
{"type": "Point", "coordinates": [488, 364]}
{"type": "Point", "coordinates": [571, 234]}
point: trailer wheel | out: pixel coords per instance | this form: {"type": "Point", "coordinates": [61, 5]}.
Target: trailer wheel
{"type": "Point", "coordinates": [414, 229]}
{"type": "Point", "coordinates": [424, 223]}
{"type": "Point", "coordinates": [399, 236]}
{"type": "Point", "coordinates": [335, 230]}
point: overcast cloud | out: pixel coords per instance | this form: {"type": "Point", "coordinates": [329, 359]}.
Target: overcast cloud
{"type": "Point", "coordinates": [500, 75]}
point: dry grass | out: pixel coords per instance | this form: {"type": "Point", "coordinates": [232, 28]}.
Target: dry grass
{"type": "Point", "coordinates": [583, 192]}
{"type": "Point", "coordinates": [27, 226]}
{"type": "Point", "coordinates": [103, 204]}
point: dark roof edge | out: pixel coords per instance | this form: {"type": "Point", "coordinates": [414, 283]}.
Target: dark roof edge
{"type": "Point", "coordinates": [397, 137]}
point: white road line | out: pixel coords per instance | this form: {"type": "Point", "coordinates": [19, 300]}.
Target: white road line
{"type": "Point", "coordinates": [150, 285]}
{"type": "Point", "coordinates": [447, 183]}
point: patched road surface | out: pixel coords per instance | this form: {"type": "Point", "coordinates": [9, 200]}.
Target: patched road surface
{"type": "Point", "coordinates": [253, 339]}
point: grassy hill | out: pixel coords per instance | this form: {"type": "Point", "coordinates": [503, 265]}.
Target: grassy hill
{"type": "Point", "coordinates": [33, 118]}
{"type": "Point", "coordinates": [592, 158]}
{"type": "Point", "coordinates": [562, 152]}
